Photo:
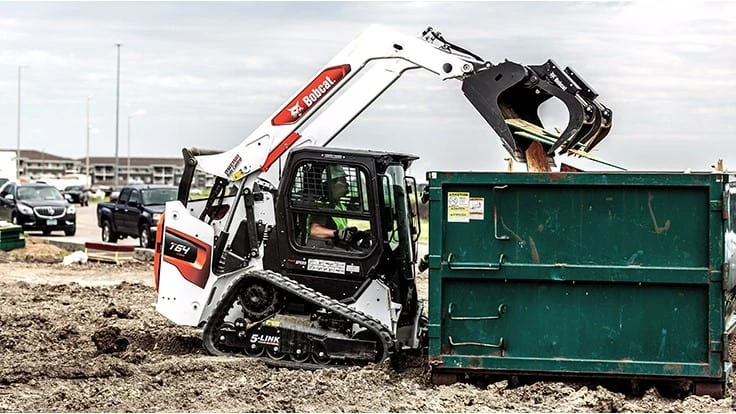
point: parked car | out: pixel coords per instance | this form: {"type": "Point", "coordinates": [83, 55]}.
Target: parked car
{"type": "Point", "coordinates": [77, 194]}
{"type": "Point", "coordinates": [37, 207]}
{"type": "Point", "coordinates": [135, 213]}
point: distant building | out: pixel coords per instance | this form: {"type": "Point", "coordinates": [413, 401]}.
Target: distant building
{"type": "Point", "coordinates": [35, 164]}
{"type": "Point", "coordinates": [145, 170]}
{"type": "Point", "coordinates": [38, 164]}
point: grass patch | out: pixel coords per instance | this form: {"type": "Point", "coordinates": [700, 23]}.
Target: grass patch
{"type": "Point", "coordinates": [424, 237]}
{"type": "Point", "coordinates": [364, 225]}
{"type": "Point", "coordinates": [98, 200]}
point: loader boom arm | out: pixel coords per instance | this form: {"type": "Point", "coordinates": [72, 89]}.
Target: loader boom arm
{"type": "Point", "coordinates": [392, 54]}
{"type": "Point", "coordinates": [373, 61]}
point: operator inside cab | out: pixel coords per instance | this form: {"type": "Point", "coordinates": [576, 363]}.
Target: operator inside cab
{"type": "Point", "coordinates": [336, 227]}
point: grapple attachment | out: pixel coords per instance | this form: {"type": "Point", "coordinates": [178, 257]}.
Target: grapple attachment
{"type": "Point", "coordinates": [508, 96]}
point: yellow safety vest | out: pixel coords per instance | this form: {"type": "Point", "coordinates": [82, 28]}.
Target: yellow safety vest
{"type": "Point", "coordinates": [340, 222]}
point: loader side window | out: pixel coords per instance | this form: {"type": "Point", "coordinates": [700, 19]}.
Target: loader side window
{"type": "Point", "coordinates": [334, 196]}
{"type": "Point", "coordinates": [394, 200]}
{"type": "Point", "coordinates": [310, 187]}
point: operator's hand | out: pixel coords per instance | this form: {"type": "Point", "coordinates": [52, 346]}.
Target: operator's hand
{"type": "Point", "coordinates": [346, 235]}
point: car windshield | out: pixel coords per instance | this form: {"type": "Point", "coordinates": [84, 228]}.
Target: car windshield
{"type": "Point", "coordinates": [154, 196]}
{"type": "Point", "coordinates": [39, 193]}
{"type": "Point", "coordinates": [74, 188]}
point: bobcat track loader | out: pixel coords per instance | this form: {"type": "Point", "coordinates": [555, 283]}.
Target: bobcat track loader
{"type": "Point", "coordinates": [243, 264]}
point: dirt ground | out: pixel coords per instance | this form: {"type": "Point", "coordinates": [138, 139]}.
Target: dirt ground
{"type": "Point", "coordinates": [85, 337]}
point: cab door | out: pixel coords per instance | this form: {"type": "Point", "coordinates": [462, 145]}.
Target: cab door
{"type": "Point", "coordinates": [133, 211]}
{"type": "Point", "coordinates": [120, 212]}
{"type": "Point", "coordinates": [327, 264]}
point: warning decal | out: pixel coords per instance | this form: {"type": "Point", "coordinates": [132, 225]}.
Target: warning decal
{"type": "Point", "coordinates": [327, 266]}
{"type": "Point", "coordinates": [458, 207]}
{"type": "Point", "coordinates": [477, 208]}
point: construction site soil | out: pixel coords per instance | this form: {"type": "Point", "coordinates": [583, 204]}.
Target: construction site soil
{"type": "Point", "coordinates": [85, 337]}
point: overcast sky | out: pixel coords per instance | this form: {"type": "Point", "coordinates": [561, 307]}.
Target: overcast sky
{"type": "Point", "coordinates": [207, 74]}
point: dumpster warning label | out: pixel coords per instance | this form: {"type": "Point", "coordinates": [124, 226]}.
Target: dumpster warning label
{"type": "Point", "coordinates": [476, 208]}
{"type": "Point", "coordinates": [458, 207]}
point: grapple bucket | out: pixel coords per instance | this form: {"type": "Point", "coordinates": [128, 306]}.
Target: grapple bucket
{"type": "Point", "coordinates": [508, 96]}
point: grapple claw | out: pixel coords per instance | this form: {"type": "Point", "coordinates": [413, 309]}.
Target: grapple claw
{"type": "Point", "coordinates": [508, 93]}
{"type": "Point", "coordinates": [589, 128]}
{"type": "Point", "coordinates": [601, 129]}
{"type": "Point", "coordinates": [605, 128]}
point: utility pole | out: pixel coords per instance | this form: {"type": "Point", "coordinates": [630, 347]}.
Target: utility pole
{"type": "Point", "coordinates": [130, 116]}
{"type": "Point", "coordinates": [86, 171]}
{"type": "Point", "coordinates": [117, 118]}
{"type": "Point", "coordinates": [17, 149]}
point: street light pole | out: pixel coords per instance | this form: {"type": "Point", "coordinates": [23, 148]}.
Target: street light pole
{"type": "Point", "coordinates": [130, 116]}
{"type": "Point", "coordinates": [87, 160]}
{"type": "Point", "coordinates": [117, 118]}
{"type": "Point", "coordinates": [17, 150]}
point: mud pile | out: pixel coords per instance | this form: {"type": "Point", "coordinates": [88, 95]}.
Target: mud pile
{"type": "Point", "coordinates": [35, 251]}
{"type": "Point", "coordinates": [87, 338]}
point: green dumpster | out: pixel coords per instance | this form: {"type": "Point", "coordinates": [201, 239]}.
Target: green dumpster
{"type": "Point", "coordinates": [621, 275]}
{"type": "Point", "coordinates": [10, 237]}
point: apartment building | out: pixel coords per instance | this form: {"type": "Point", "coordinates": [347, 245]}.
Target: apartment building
{"type": "Point", "coordinates": [146, 170]}
{"type": "Point", "coordinates": [34, 164]}
{"type": "Point", "coordinates": [38, 165]}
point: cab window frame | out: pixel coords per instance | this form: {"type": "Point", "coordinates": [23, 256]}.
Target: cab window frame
{"type": "Point", "coordinates": [359, 194]}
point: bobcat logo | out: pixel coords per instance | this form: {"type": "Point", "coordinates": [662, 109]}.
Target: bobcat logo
{"type": "Point", "coordinates": [296, 110]}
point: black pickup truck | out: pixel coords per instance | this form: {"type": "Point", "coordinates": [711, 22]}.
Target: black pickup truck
{"type": "Point", "coordinates": [135, 213]}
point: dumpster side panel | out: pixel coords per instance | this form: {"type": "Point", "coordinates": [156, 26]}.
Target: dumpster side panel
{"type": "Point", "coordinates": [612, 225]}
{"type": "Point", "coordinates": [592, 327]}
{"type": "Point", "coordinates": [590, 273]}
